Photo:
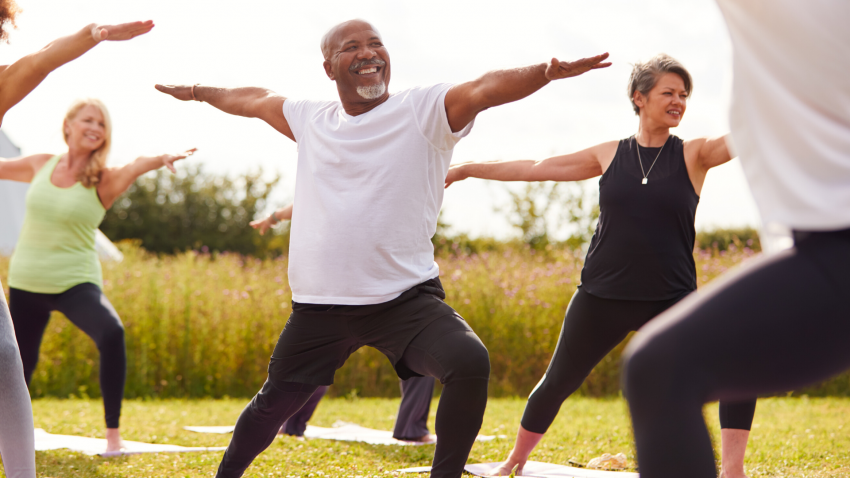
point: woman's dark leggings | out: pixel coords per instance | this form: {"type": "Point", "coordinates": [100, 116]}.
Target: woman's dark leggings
{"type": "Point", "coordinates": [779, 323]}
{"type": "Point", "coordinates": [592, 328]}
{"type": "Point", "coordinates": [87, 308]}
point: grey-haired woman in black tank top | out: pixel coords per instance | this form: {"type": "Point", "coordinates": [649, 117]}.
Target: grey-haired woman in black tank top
{"type": "Point", "coordinates": [640, 260]}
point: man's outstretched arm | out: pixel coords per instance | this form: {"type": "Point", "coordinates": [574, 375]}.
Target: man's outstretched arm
{"type": "Point", "coordinates": [466, 100]}
{"type": "Point", "coordinates": [249, 102]}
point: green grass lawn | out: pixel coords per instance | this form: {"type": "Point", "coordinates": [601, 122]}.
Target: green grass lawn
{"type": "Point", "coordinates": [792, 437]}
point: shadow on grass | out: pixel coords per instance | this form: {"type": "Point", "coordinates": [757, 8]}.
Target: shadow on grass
{"type": "Point", "coordinates": [63, 463]}
{"type": "Point", "coordinates": [345, 453]}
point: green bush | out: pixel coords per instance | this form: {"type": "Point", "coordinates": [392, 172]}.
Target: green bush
{"type": "Point", "coordinates": [204, 325]}
{"type": "Point", "coordinates": [724, 239]}
{"type": "Point", "coordinates": [171, 213]}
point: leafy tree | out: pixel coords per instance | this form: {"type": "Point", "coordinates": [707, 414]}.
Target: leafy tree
{"type": "Point", "coordinates": [195, 210]}
{"type": "Point", "coordinates": [541, 208]}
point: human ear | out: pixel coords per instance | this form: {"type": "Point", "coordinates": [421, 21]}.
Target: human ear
{"type": "Point", "coordinates": [639, 99]}
{"type": "Point", "coordinates": [329, 70]}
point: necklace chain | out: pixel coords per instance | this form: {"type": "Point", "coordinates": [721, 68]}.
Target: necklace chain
{"type": "Point", "coordinates": [646, 174]}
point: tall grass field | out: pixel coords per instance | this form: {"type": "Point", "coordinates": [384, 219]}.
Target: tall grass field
{"type": "Point", "coordinates": [201, 325]}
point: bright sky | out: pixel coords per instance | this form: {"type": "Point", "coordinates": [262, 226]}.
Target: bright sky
{"type": "Point", "coordinates": [275, 44]}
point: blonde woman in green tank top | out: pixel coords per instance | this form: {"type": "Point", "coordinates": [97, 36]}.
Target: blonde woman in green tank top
{"type": "Point", "coordinates": [55, 265]}
{"type": "Point", "coordinates": [17, 447]}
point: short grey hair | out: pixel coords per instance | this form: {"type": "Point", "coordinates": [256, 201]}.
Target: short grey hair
{"type": "Point", "coordinates": [645, 75]}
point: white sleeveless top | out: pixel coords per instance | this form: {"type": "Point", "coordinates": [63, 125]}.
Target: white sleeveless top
{"type": "Point", "coordinates": [790, 116]}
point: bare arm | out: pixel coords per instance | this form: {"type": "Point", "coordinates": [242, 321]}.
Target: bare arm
{"type": "Point", "coordinates": [249, 102]}
{"type": "Point", "coordinates": [115, 182]}
{"type": "Point", "coordinates": [282, 214]}
{"type": "Point", "coordinates": [466, 100]}
{"type": "Point", "coordinates": [578, 166]}
{"type": "Point", "coordinates": [702, 154]}
{"type": "Point", "coordinates": [21, 77]}
{"type": "Point", "coordinates": [22, 169]}
{"type": "Point", "coordinates": [713, 152]}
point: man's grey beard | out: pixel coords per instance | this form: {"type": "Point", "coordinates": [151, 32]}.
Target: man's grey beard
{"type": "Point", "coordinates": [372, 92]}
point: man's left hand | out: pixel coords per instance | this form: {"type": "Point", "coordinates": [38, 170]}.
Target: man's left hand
{"type": "Point", "coordinates": [557, 70]}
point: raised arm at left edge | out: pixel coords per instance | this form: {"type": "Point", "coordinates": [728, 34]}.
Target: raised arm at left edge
{"type": "Point", "coordinates": [21, 77]}
{"type": "Point", "coordinates": [466, 100]}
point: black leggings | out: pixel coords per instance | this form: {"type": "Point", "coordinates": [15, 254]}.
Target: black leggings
{"type": "Point", "coordinates": [593, 326]}
{"type": "Point", "coordinates": [778, 324]}
{"type": "Point", "coordinates": [446, 349]}
{"type": "Point", "coordinates": [87, 308]}
{"type": "Point", "coordinates": [411, 422]}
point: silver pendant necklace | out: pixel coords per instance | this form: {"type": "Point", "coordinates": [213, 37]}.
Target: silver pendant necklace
{"type": "Point", "coordinates": [646, 174]}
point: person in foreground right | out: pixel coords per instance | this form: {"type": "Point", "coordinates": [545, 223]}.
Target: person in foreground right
{"type": "Point", "coordinates": [781, 322]}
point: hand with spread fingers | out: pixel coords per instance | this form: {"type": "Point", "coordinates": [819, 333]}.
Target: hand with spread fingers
{"type": "Point", "coordinates": [121, 32]}
{"type": "Point", "coordinates": [282, 214]}
{"type": "Point", "coordinates": [558, 70]}
{"type": "Point", "coordinates": [169, 159]}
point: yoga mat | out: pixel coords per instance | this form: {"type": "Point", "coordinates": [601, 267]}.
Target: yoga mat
{"type": "Point", "coordinates": [344, 432]}
{"type": "Point", "coordinates": [97, 446]}
{"type": "Point", "coordinates": [547, 470]}
{"type": "Point", "coordinates": [220, 430]}
{"type": "Point", "coordinates": [536, 469]}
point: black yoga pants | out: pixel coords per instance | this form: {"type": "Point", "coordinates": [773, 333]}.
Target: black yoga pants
{"type": "Point", "coordinates": [445, 348]}
{"type": "Point", "coordinates": [412, 419]}
{"type": "Point", "coordinates": [593, 326]}
{"type": "Point", "coordinates": [779, 323]}
{"type": "Point", "coordinates": [296, 425]}
{"type": "Point", "coordinates": [87, 308]}
{"type": "Point", "coordinates": [411, 422]}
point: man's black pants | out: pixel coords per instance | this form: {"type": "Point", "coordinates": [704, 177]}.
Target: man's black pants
{"type": "Point", "coordinates": [417, 331]}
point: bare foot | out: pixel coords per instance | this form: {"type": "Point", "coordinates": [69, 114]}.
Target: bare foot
{"type": "Point", "coordinates": [113, 440]}
{"type": "Point", "coordinates": [423, 439]}
{"type": "Point", "coordinates": [507, 467]}
{"type": "Point", "coordinates": [732, 474]}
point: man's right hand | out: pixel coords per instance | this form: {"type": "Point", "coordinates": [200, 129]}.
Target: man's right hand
{"type": "Point", "coordinates": [181, 92]}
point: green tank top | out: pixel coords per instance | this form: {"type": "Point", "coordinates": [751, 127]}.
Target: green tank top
{"type": "Point", "coordinates": [56, 248]}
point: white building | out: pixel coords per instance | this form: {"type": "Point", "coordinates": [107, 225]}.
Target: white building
{"type": "Point", "coordinates": [13, 206]}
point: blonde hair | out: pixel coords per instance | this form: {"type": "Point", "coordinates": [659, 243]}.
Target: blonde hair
{"type": "Point", "coordinates": [645, 75]}
{"type": "Point", "coordinates": [90, 175]}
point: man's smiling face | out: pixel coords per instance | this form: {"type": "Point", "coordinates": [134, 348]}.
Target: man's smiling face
{"type": "Point", "coordinates": [355, 57]}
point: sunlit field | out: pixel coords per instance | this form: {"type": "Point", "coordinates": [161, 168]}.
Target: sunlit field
{"type": "Point", "coordinates": [201, 325]}
{"type": "Point", "coordinates": [792, 437]}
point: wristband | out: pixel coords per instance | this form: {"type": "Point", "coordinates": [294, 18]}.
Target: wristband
{"type": "Point", "coordinates": [274, 218]}
{"type": "Point", "coordinates": [193, 91]}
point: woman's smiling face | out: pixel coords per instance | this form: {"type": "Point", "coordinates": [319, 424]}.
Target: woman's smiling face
{"type": "Point", "coordinates": [87, 130]}
{"type": "Point", "coordinates": [666, 102]}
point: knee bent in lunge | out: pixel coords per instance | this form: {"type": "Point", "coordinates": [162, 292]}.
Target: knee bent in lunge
{"type": "Point", "coordinates": [465, 358]}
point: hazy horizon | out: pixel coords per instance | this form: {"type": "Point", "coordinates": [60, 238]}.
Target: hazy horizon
{"type": "Point", "coordinates": [276, 45]}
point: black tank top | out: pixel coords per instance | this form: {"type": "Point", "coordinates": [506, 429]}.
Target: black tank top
{"type": "Point", "coordinates": [643, 245]}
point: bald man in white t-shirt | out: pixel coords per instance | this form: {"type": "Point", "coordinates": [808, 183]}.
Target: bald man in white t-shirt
{"type": "Point", "coordinates": [369, 187]}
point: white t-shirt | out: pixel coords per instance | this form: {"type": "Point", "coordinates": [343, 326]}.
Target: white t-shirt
{"type": "Point", "coordinates": [790, 116]}
{"type": "Point", "coordinates": [367, 194]}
